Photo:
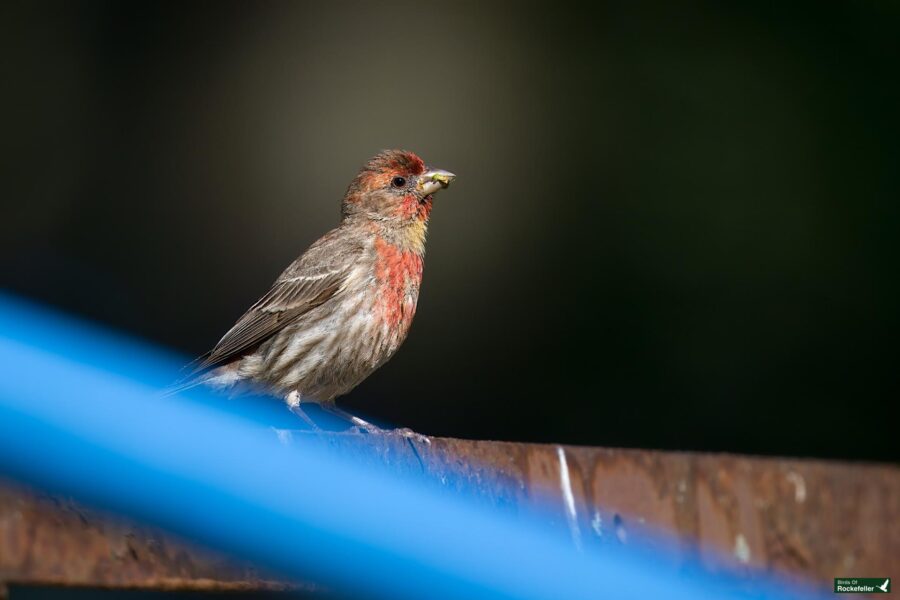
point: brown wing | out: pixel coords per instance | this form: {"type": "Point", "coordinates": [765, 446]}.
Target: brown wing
{"type": "Point", "coordinates": [283, 304]}
{"type": "Point", "coordinates": [310, 281]}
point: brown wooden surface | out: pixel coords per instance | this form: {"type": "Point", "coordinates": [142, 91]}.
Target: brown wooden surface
{"type": "Point", "coordinates": [749, 516]}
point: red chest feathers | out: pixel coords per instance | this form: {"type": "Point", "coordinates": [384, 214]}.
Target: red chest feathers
{"type": "Point", "coordinates": [398, 274]}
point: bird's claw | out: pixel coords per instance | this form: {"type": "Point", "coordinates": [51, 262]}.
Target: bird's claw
{"type": "Point", "coordinates": [404, 432]}
{"type": "Point", "coordinates": [412, 435]}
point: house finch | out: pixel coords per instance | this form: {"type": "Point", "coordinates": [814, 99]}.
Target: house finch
{"type": "Point", "coordinates": [343, 308]}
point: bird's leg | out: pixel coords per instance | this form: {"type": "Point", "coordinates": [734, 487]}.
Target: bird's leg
{"type": "Point", "coordinates": [293, 403]}
{"type": "Point", "coordinates": [360, 423]}
{"type": "Point", "coordinates": [357, 422]}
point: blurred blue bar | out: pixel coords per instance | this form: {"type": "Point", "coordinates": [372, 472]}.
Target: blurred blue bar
{"type": "Point", "coordinates": [80, 414]}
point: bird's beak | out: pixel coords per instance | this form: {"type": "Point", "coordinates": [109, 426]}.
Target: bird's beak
{"type": "Point", "coordinates": [434, 180]}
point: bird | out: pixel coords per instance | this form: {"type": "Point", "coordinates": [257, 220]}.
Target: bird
{"type": "Point", "coordinates": [343, 308]}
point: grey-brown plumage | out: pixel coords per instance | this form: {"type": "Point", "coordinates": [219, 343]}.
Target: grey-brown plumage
{"type": "Point", "coordinates": [342, 309]}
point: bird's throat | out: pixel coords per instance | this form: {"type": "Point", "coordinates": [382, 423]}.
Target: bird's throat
{"type": "Point", "coordinates": [412, 237]}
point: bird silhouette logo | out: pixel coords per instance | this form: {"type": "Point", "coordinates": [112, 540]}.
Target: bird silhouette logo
{"type": "Point", "coordinates": [884, 586]}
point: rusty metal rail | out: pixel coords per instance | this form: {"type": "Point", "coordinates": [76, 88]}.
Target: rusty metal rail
{"type": "Point", "coordinates": [748, 516]}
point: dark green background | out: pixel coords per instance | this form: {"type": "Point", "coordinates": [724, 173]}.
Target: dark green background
{"type": "Point", "coordinates": [675, 224]}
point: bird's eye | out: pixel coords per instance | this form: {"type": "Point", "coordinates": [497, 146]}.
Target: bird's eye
{"type": "Point", "coordinates": [398, 182]}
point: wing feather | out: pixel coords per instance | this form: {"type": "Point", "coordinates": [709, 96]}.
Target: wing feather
{"type": "Point", "coordinates": [310, 281]}
{"type": "Point", "coordinates": [282, 305]}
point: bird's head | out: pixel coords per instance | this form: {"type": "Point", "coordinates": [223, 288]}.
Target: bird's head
{"type": "Point", "coordinates": [395, 188]}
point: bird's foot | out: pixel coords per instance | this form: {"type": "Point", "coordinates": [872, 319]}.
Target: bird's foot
{"type": "Point", "coordinates": [362, 427]}
{"type": "Point", "coordinates": [295, 408]}
{"type": "Point", "coordinates": [409, 434]}
{"type": "Point", "coordinates": [358, 425]}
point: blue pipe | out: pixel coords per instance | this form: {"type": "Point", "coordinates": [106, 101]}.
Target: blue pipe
{"type": "Point", "coordinates": [80, 415]}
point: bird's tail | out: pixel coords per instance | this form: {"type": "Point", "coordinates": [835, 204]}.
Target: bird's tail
{"type": "Point", "coordinates": [194, 375]}
{"type": "Point", "coordinates": [181, 385]}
